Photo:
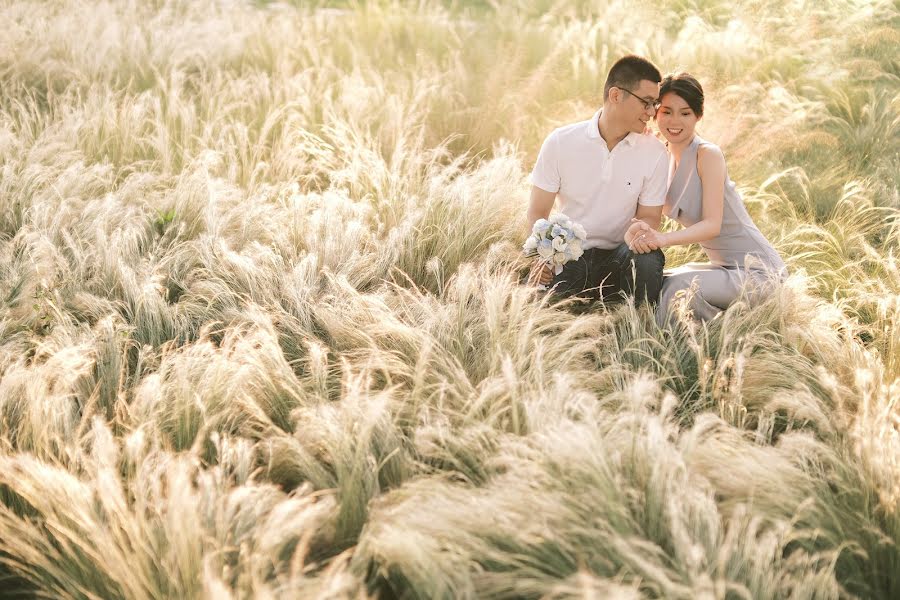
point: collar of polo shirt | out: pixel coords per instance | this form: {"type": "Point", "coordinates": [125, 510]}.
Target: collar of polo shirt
{"type": "Point", "coordinates": [593, 131]}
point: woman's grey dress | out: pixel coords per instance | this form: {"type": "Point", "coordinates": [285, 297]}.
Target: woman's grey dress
{"type": "Point", "coordinates": [739, 256]}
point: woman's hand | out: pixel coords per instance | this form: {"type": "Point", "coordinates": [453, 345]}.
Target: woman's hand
{"type": "Point", "coordinates": [637, 227]}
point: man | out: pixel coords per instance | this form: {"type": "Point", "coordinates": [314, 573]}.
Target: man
{"type": "Point", "coordinates": [606, 172]}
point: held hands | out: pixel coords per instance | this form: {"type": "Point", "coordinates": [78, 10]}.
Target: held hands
{"type": "Point", "coordinates": [642, 238]}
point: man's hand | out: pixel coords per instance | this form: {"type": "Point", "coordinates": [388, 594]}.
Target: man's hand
{"type": "Point", "coordinates": [637, 227]}
{"type": "Point", "coordinates": [540, 273]}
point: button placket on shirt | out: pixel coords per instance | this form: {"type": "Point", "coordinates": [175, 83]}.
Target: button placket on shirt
{"type": "Point", "coordinates": [606, 169]}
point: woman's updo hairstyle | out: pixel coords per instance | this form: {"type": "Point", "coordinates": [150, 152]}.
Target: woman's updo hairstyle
{"type": "Point", "coordinates": [686, 87]}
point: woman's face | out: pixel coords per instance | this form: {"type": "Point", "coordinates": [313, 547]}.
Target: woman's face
{"type": "Point", "coordinates": [675, 119]}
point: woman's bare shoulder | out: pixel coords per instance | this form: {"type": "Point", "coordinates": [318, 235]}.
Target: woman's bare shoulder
{"type": "Point", "coordinates": [710, 158]}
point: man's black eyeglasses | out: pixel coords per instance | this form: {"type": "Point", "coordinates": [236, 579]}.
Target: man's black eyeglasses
{"type": "Point", "coordinates": [648, 104]}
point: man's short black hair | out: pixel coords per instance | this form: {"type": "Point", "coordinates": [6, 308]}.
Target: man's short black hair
{"type": "Point", "coordinates": [628, 72]}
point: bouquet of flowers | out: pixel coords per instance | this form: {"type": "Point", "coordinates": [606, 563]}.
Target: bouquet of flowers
{"type": "Point", "coordinates": [556, 240]}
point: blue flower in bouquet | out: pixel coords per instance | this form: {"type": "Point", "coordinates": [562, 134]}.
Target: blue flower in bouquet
{"type": "Point", "coordinates": [556, 241]}
{"type": "Point", "coordinates": [561, 220]}
{"type": "Point", "coordinates": [545, 249]}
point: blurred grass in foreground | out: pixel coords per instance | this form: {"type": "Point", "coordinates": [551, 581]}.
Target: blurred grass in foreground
{"type": "Point", "coordinates": [262, 335]}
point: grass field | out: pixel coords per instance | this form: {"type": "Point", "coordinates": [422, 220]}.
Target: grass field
{"type": "Point", "coordinates": [261, 332]}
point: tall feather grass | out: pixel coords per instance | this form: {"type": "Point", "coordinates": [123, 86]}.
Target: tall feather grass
{"type": "Point", "coordinates": [262, 331]}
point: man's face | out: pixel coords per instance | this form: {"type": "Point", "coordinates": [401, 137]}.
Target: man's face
{"type": "Point", "coordinates": [631, 111]}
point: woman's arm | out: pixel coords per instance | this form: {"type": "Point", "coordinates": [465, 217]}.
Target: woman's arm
{"type": "Point", "coordinates": [711, 168]}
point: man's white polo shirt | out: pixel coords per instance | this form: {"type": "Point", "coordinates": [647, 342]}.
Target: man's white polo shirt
{"type": "Point", "coordinates": [598, 188]}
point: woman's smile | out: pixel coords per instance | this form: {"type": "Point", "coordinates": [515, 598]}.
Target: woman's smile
{"type": "Point", "coordinates": [675, 119]}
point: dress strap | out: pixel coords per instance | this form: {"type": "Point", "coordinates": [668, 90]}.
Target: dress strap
{"type": "Point", "coordinates": [682, 177]}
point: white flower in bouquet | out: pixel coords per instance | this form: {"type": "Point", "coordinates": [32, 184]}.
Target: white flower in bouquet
{"type": "Point", "coordinates": [545, 249]}
{"type": "Point", "coordinates": [556, 241]}
{"type": "Point", "coordinates": [579, 231]}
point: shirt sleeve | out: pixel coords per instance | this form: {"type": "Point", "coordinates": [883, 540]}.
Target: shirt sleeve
{"type": "Point", "coordinates": [545, 174]}
{"type": "Point", "coordinates": [653, 192]}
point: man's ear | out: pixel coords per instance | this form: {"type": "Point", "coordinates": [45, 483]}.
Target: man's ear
{"type": "Point", "coordinates": [614, 94]}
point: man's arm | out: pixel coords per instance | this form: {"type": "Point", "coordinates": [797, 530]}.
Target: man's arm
{"type": "Point", "coordinates": [650, 203]}
{"type": "Point", "coordinates": [539, 206]}
{"type": "Point", "coordinates": [651, 215]}
{"type": "Point", "coordinates": [545, 174]}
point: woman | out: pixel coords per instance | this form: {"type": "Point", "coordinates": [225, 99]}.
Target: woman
{"type": "Point", "coordinates": [705, 202]}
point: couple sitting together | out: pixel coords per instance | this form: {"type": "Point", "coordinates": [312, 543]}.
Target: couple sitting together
{"type": "Point", "coordinates": [617, 181]}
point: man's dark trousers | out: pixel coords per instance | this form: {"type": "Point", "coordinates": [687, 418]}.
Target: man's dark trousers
{"type": "Point", "coordinates": [612, 275]}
